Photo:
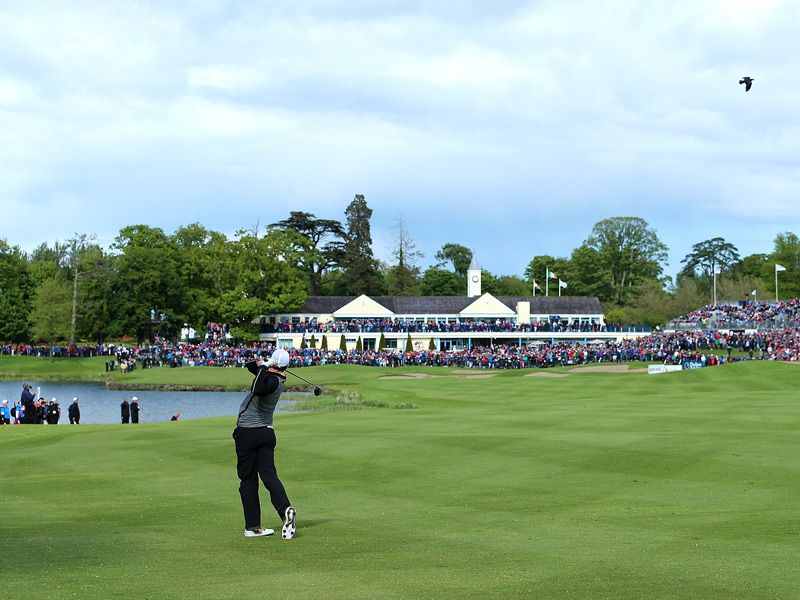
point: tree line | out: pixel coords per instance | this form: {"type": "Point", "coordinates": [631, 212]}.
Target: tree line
{"type": "Point", "coordinates": [150, 282]}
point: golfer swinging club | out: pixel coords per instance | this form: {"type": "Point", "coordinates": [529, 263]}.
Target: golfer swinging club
{"type": "Point", "coordinates": [255, 446]}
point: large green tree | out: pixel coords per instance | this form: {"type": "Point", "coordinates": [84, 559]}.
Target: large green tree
{"type": "Point", "coordinates": [95, 294]}
{"type": "Point", "coordinates": [16, 293]}
{"type": "Point", "coordinates": [204, 263]}
{"type": "Point", "coordinates": [268, 278]}
{"type": "Point", "coordinates": [753, 265]}
{"type": "Point", "coordinates": [457, 255]}
{"type": "Point", "coordinates": [629, 253]}
{"type": "Point", "coordinates": [587, 273]}
{"type": "Point", "coordinates": [731, 287]}
{"type": "Point", "coordinates": [537, 270]}
{"type": "Point", "coordinates": [76, 247]}
{"type": "Point", "coordinates": [786, 252]}
{"type": "Point", "coordinates": [52, 309]}
{"type": "Point", "coordinates": [512, 285]}
{"type": "Point", "coordinates": [441, 282]}
{"type": "Point", "coordinates": [709, 257]}
{"type": "Point", "coordinates": [324, 248]}
{"type": "Point", "coordinates": [361, 274]}
{"type": "Point", "coordinates": [145, 279]}
{"type": "Point", "coordinates": [49, 261]}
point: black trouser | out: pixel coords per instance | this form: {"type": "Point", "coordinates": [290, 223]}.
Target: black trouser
{"type": "Point", "coordinates": [255, 456]}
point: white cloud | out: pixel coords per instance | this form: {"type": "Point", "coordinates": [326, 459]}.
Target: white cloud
{"type": "Point", "coordinates": [538, 117]}
{"type": "Point", "coordinates": [228, 78]}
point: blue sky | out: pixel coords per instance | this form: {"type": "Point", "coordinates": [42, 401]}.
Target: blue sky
{"type": "Point", "coordinates": [508, 127]}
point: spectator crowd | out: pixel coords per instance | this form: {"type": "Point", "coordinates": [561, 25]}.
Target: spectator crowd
{"type": "Point", "coordinates": [400, 326]}
{"type": "Point", "coordinates": [710, 335]}
{"type": "Point", "coordinates": [34, 409]}
{"type": "Point", "coordinates": [743, 315]}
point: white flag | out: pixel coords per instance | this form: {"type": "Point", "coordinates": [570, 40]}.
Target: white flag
{"type": "Point", "coordinates": [753, 293]}
{"type": "Point", "coordinates": [552, 275]}
{"type": "Point", "coordinates": [562, 284]}
{"type": "Point", "coordinates": [537, 286]}
{"type": "Point", "coordinates": [779, 267]}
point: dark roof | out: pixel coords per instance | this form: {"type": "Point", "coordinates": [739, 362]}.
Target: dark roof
{"type": "Point", "coordinates": [438, 305]}
{"type": "Point", "coordinates": [557, 305]}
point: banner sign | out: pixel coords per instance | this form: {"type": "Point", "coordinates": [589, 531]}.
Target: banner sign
{"type": "Point", "coordinates": [656, 369]}
{"type": "Point", "coordinates": [693, 364]}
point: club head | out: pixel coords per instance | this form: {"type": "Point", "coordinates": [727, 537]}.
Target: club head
{"type": "Point", "coordinates": [317, 391]}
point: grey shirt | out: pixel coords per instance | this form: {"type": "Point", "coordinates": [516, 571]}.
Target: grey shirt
{"type": "Point", "coordinates": [256, 411]}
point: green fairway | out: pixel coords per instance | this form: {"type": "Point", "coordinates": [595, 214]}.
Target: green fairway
{"type": "Point", "coordinates": [588, 485]}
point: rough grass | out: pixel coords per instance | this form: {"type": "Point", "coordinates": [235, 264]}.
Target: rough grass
{"type": "Point", "coordinates": [596, 485]}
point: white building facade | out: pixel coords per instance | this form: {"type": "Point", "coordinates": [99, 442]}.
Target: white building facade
{"type": "Point", "coordinates": [438, 322]}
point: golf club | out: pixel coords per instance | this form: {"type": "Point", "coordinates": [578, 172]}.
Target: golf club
{"type": "Point", "coordinates": [317, 389]}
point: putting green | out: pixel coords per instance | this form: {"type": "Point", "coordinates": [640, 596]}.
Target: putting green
{"type": "Point", "coordinates": [595, 485]}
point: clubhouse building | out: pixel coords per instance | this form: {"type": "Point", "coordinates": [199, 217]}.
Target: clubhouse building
{"type": "Point", "coordinates": [440, 322]}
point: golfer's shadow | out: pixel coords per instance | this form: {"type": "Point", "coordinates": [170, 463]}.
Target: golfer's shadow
{"type": "Point", "coordinates": [305, 523]}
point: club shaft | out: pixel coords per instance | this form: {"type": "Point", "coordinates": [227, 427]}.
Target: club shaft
{"type": "Point", "coordinates": [300, 378]}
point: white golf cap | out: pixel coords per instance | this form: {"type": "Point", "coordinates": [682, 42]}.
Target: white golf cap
{"type": "Point", "coordinates": [134, 398]}
{"type": "Point", "coordinates": [280, 358]}
{"type": "Point", "coordinates": [75, 399]}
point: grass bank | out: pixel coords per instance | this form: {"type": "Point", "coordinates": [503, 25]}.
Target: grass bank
{"type": "Point", "coordinates": [92, 370]}
{"type": "Point", "coordinates": [589, 485]}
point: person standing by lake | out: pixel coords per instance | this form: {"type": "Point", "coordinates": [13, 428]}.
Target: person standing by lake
{"type": "Point", "coordinates": [125, 411]}
{"type": "Point", "coordinates": [255, 441]}
{"type": "Point", "coordinates": [53, 412]}
{"type": "Point", "coordinates": [27, 401]}
{"type": "Point", "coordinates": [135, 410]}
{"type": "Point", "coordinates": [74, 412]}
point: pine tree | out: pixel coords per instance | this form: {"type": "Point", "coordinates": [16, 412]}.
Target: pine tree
{"type": "Point", "coordinates": [361, 273]}
{"type": "Point", "coordinates": [403, 279]}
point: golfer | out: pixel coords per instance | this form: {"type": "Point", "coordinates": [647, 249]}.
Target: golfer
{"type": "Point", "coordinates": [255, 446]}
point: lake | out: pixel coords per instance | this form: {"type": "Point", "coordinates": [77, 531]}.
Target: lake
{"type": "Point", "coordinates": [100, 405]}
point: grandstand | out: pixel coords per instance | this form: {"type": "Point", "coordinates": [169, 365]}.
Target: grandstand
{"type": "Point", "coordinates": [744, 316]}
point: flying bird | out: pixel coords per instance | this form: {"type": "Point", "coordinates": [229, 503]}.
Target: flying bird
{"type": "Point", "coordinates": [748, 83]}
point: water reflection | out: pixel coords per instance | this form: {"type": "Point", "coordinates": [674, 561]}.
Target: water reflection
{"type": "Point", "coordinates": [99, 405]}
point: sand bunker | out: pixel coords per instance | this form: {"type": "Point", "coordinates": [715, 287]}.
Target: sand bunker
{"type": "Point", "coordinates": [546, 374]}
{"type": "Point", "coordinates": [410, 376]}
{"type": "Point", "coordinates": [463, 375]}
{"type": "Point", "coordinates": [607, 369]}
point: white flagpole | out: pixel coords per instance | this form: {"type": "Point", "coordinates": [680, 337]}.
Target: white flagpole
{"type": "Point", "coordinates": [776, 284]}
{"type": "Point", "coordinates": [715, 286]}
{"type": "Point", "coordinates": [559, 287]}
{"type": "Point", "coordinates": [547, 281]}
{"type": "Point", "coordinates": [534, 288]}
